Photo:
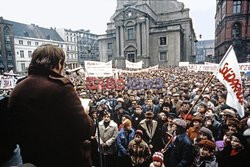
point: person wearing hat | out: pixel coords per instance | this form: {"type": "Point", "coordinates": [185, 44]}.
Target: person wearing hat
{"type": "Point", "coordinates": [206, 156]}
{"type": "Point", "coordinates": [150, 129]}
{"type": "Point", "coordinates": [206, 100]}
{"type": "Point", "coordinates": [176, 102]}
{"type": "Point", "coordinates": [206, 134]}
{"type": "Point", "coordinates": [139, 150]}
{"type": "Point", "coordinates": [167, 126]}
{"type": "Point", "coordinates": [158, 159]}
{"type": "Point", "coordinates": [125, 135]}
{"type": "Point", "coordinates": [118, 114]}
{"type": "Point", "coordinates": [108, 132]}
{"type": "Point", "coordinates": [193, 131]}
{"type": "Point", "coordinates": [181, 151]}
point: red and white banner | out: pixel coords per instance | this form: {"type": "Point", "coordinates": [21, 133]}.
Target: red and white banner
{"type": "Point", "coordinates": [132, 65]}
{"type": "Point", "coordinates": [7, 82]}
{"type": "Point", "coordinates": [228, 73]}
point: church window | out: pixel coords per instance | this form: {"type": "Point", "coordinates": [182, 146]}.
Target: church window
{"type": "Point", "coordinates": [130, 33]}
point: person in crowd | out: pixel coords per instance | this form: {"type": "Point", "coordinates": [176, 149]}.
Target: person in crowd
{"type": "Point", "coordinates": [94, 147]}
{"type": "Point", "coordinates": [193, 131]}
{"type": "Point", "coordinates": [206, 156]}
{"type": "Point", "coordinates": [158, 160]}
{"type": "Point", "coordinates": [151, 133]}
{"type": "Point", "coordinates": [202, 108]}
{"type": "Point", "coordinates": [234, 152]}
{"type": "Point", "coordinates": [119, 113]}
{"type": "Point", "coordinates": [137, 116]}
{"type": "Point", "coordinates": [132, 109]}
{"type": "Point", "coordinates": [206, 100]}
{"type": "Point", "coordinates": [213, 124]}
{"type": "Point", "coordinates": [176, 102]}
{"type": "Point", "coordinates": [139, 151]}
{"type": "Point", "coordinates": [181, 151]}
{"type": "Point", "coordinates": [205, 134]}
{"type": "Point", "coordinates": [125, 135]}
{"type": "Point", "coordinates": [49, 122]}
{"type": "Point", "coordinates": [106, 137]}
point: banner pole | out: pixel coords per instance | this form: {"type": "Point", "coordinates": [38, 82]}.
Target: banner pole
{"type": "Point", "coordinates": [209, 81]}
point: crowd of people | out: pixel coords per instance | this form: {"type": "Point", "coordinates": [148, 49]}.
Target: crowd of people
{"type": "Point", "coordinates": [142, 127]}
{"type": "Point", "coordinates": [154, 127]}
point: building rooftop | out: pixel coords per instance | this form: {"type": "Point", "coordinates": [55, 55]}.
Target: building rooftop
{"type": "Point", "coordinates": [34, 31]}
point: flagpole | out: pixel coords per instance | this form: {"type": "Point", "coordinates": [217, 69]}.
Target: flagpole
{"type": "Point", "coordinates": [209, 81]}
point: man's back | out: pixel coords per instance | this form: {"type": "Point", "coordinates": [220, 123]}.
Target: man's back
{"type": "Point", "coordinates": [48, 120]}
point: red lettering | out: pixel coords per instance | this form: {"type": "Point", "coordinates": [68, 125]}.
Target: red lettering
{"type": "Point", "coordinates": [119, 84]}
{"type": "Point", "coordinates": [229, 75]}
{"type": "Point", "coordinates": [91, 83]}
{"type": "Point", "coordinates": [110, 83]}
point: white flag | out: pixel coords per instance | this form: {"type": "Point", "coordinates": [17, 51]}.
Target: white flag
{"type": "Point", "coordinates": [228, 73]}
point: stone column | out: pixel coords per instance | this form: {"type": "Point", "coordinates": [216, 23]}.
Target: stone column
{"type": "Point", "coordinates": [117, 42]}
{"type": "Point", "coordinates": [144, 39]}
{"type": "Point", "coordinates": [138, 39]}
{"type": "Point", "coordinates": [147, 37]}
{"type": "Point", "coordinates": [122, 40]}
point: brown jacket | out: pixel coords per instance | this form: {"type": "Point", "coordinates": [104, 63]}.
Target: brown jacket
{"type": "Point", "coordinates": [49, 121]}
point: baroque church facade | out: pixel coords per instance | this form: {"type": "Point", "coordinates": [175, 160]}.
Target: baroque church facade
{"type": "Point", "coordinates": [153, 31]}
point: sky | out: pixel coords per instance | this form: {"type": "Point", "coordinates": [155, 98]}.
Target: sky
{"type": "Point", "coordinates": [93, 15]}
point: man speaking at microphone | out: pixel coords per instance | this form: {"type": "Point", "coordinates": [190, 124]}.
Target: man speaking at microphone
{"type": "Point", "coordinates": [49, 122]}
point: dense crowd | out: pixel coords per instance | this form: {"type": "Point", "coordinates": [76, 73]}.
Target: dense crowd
{"type": "Point", "coordinates": [159, 126]}
{"type": "Point", "coordinates": [153, 126]}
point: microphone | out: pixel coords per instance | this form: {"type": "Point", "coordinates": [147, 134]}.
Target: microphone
{"type": "Point", "coordinates": [68, 72]}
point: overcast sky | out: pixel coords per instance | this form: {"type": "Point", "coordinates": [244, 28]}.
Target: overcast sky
{"type": "Point", "coordinates": [94, 14]}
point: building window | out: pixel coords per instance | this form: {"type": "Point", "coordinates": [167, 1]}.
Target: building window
{"type": "Point", "coordinates": [236, 7]}
{"type": "Point", "coordinates": [29, 54]}
{"type": "Point", "coordinates": [22, 66]}
{"type": "Point", "coordinates": [109, 57]}
{"type": "Point", "coordinates": [29, 43]}
{"type": "Point", "coordinates": [236, 31]}
{"type": "Point", "coordinates": [21, 53]}
{"type": "Point", "coordinates": [163, 40]}
{"type": "Point", "coordinates": [130, 33]}
{"type": "Point", "coordinates": [163, 56]}
{"type": "Point", "coordinates": [36, 43]}
{"type": "Point", "coordinates": [20, 42]}
{"type": "Point", "coordinates": [109, 45]}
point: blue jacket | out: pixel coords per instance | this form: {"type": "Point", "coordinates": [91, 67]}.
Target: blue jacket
{"type": "Point", "coordinates": [122, 142]}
